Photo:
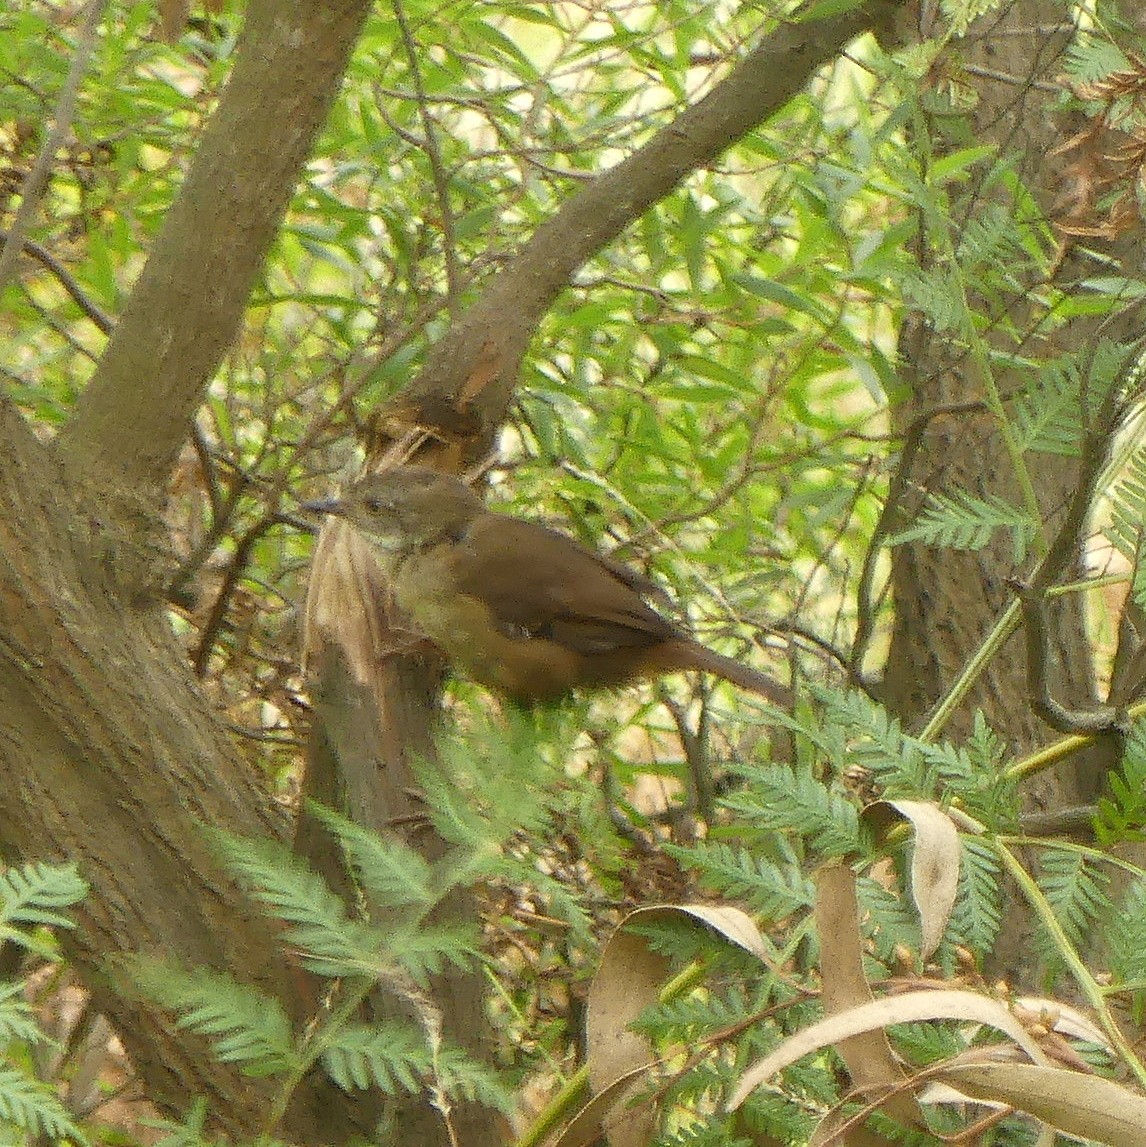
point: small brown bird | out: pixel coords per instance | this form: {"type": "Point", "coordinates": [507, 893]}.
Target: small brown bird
{"type": "Point", "coordinates": [517, 606]}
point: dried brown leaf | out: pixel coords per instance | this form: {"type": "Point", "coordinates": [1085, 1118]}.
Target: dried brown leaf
{"type": "Point", "coordinates": [935, 860]}
{"type": "Point", "coordinates": [910, 1007]}
{"type": "Point", "coordinates": [1084, 1105]}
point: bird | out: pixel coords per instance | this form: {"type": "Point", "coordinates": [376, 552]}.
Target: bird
{"type": "Point", "coordinates": [516, 606]}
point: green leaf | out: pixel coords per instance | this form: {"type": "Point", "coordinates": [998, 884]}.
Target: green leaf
{"type": "Point", "coordinates": [32, 1107]}
{"type": "Point", "coordinates": [392, 873]}
{"type": "Point", "coordinates": [391, 1056]}
{"type": "Point", "coordinates": [245, 1026]}
{"type": "Point", "coordinates": [961, 521]}
{"type": "Point", "coordinates": [30, 894]}
{"type": "Point", "coordinates": [957, 163]}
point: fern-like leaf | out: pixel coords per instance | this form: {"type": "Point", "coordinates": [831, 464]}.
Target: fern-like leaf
{"type": "Point", "coordinates": [778, 798]}
{"type": "Point", "coordinates": [331, 944]}
{"type": "Point", "coordinates": [1090, 58]}
{"type": "Point", "coordinates": [1047, 417]}
{"type": "Point", "coordinates": [775, 1117]}
{"type": "Point", "coordinates": [1122, 815]}
{"type": "Point", "coordinates": [244, 1026]}
{"type": "Point", "coordinates": [1128, 507]}
{"type": "Point", "coordinates": [1126, 943]}
{"type": "Point", "coordinates": [424, 950]}
{"type": "Point", "coordinates": [961, 14]}
{"type": "Point", "coordinates": [986, 239]}
{"type": "Point", "coordinates": [392, 873]}
{"type": "Point", "coordinates": [873, 740]}
{"type": "Point", "coordinates": [29, 894]}
{"type": "Point", "coordinates": [960, 521]}
{"type": "Point", "coordinates": [458, 1073]}
{"type": "Point", "coordinates": [33, 1107]}
{"type": "Point", "coordinates": [772, 891]}
{"type": "Point", "coordinates": [937, 295]}
{"type": "Point", "coordinates": [392, 1056]}
{"type": "Point", "coordinates": [17, 1019]}
{"type": "Point", "coordinates": [978, 911]}
{"type": "Point", "coordinates": [1075, 890]}
{"type": "Point", "coordinates": [487, 788]}
{"type": "Point", "coordinates": [890, 918]}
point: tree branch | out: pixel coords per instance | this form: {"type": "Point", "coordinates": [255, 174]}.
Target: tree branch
{"type": "Point", "coordinates": [62, 276]}
{"type": "Point", "coordinates": [37, 178]}
{"type": "Point", "coordinates": [467, 383]}
{"type": "Point", "coordinates": [187, 305]}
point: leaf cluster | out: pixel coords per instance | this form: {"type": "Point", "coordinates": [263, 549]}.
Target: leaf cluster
{"type": "Point", "coordinates": [386, 941]}
{"type": "Point", "coordinates": [31, 899]}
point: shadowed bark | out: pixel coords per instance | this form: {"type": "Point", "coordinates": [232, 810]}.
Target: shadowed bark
{"type": "Point", "coordinates": [112, 756]}
{"type": "Point", "coordinates": [947, 601]}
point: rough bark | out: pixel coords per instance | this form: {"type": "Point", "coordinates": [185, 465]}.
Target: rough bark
{"type": "Point", "coordinates": [186, 308]}
{"type": "Point", "coordinates": [109, 761]}
{"type": "Point", "coordinates": [946, 602]}
{"type": "Point", "coordinates": [463, 392]}
{"type": "Point", "coordinates": [112, 756]}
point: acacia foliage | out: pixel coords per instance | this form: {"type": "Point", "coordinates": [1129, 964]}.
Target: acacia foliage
{"type": "Point", "coordinates": [710, 395]}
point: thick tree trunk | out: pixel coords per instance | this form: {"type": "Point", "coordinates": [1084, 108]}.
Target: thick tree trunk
{"type": "Point", "coordinates": [946, 602]}
{"type": "Point", "coordinates": [187, 306]}
{"type": "Point", "coordinates": [111, 760]}
{"type": "Point", "coordinates": [112, 757]}
{"type": "Point", "coordinates": [365, 739]}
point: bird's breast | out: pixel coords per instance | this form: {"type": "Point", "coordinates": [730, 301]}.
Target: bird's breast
{"type": "Point", "coordinates": [426, 586]}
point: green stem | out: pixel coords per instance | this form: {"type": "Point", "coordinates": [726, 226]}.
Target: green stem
{"type": "Point", "coordinates": [1090, 987]}
{"type": "Point", "coordinates": [572, 1093]}
{"type": "Point", "coordinates": [313, 1046]}
{"type": "Point", "coordinates": [1053, 753]}
{"type": "Point", "coordinates": [1098, 855]}
{"type": "Point", "coordinates": [1004, 627]}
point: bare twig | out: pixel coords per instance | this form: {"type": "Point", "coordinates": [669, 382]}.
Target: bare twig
{"type": "Point", "coordinates": [1098, 439]}
{"type": "Point", "coordinates": [694, 742]}
{"type": "Point", "coordinates": [66, 280]}
{"type": "Point", "coordinates": [434, 154]}
{"type": "Point", "coordinates": [469, 377]}
{"type": "Point", "coordinates": [36, 180]}
{"type": "Point", "coordinates": [235, 567]}
{"type": "Point", "coordinates": [886, 525]}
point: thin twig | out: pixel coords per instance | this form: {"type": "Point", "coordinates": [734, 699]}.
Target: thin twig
{"type": "Point", "coordinates": [234, 572]}
{"type": "Point", "coordinates": [66, 280]}
{"type": "Point", "coordinates": [1098, 441]}
{"type": "Point", "coordinates": [434, 155]}
{"type": "Point", "coordinates": [32, 188]}
{"type": "Point", "coordinates": [897, 490]}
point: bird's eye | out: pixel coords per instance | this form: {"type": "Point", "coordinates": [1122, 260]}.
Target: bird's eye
{"type": "Point", "coordinates": [375, 505]}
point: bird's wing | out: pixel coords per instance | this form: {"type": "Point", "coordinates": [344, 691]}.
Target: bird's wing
{"type": "Point", "coordinates": [537, 582]}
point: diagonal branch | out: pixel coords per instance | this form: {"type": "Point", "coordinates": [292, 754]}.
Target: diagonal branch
{"type": "Point", "coordinates": [467, 383]}
{"type": "Point", "coordinates": [37, 179]}
{"type": "Point", "coordinates": [187, 306]}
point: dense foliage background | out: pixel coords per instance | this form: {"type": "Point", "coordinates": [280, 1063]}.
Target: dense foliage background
{"type": "Point", "coordinates": [863, 394]}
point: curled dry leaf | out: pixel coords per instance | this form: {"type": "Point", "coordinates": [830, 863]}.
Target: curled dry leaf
{"type": "Point", "coordinates": [1061, 1018]}
{"type": "Point", "coordinates": [870, 1061]}
{"type": "Point", "coordinates": [735, 926]}
{"type": "Point", "coordinates": [628, 981]}
{"type": "Point", "coordinates": [934, 862]}
{"type": "Point", "coordinates": [586, 1126]}
{"type": "Point", "coordinates": [1085, 1105]}
{"type": "Point", "coordinates": [911, 1007]}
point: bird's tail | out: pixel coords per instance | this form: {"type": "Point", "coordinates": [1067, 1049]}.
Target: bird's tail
{"type": "Point", "coordinates": [693, 655]}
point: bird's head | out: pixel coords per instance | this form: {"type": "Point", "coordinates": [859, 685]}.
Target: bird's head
{"type": "Point", "coordinates": [405, 508]}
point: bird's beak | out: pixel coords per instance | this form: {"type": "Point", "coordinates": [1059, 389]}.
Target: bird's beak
{"type": "Point", "coordinates": [323, 506]}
